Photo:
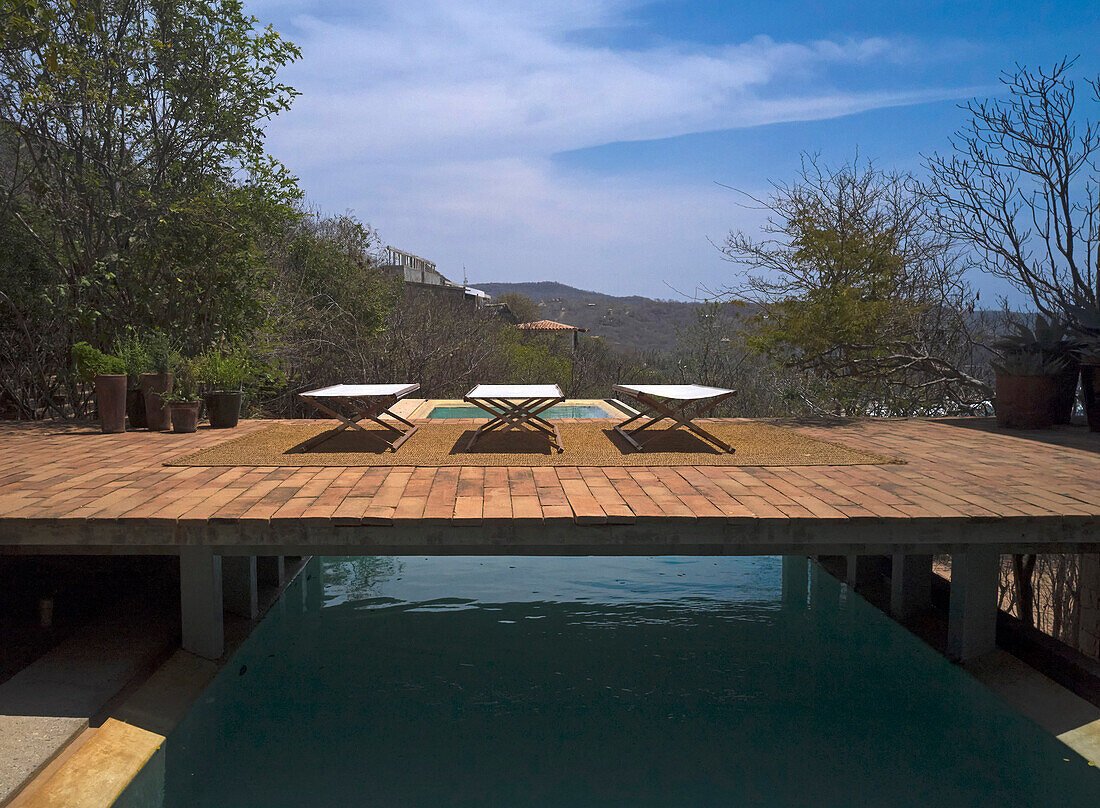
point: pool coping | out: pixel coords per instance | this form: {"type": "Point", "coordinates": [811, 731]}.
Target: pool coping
{"type": "Point", "coordinates": [94, 767]}
{"type": "Point", "coordinates": [55, 698]}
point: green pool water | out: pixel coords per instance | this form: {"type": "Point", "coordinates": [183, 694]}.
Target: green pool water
{"type": "Point", "coordinates": [584, 682]}
{"type": "Point", "coordinates": [556, 411]}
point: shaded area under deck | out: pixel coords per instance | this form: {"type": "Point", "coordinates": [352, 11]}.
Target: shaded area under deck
{"type": "Point", "coordinates": [964, 488]}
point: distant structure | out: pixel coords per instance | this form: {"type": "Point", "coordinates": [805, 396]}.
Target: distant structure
{"type": "Point", "coordinates": [413, 268]}
{"type": "Point", "coordinates": [553, 327]}
{"type": "Point", "coordinates": [420, 274]}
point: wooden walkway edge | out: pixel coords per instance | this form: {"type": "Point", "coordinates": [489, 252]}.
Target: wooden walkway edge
{"type": "Point", "coordinates": [68, 488]}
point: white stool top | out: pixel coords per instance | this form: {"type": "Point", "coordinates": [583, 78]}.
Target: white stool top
{"type": "Point", "coordinates": [515, 391]}
{"type": "Point", "coordinates": [362, 390]}
{"type": "Point", "coordinates": [677, 392]}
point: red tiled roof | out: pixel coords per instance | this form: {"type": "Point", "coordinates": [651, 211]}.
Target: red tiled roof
{"type": "Point", "coordinates": [549, 325]}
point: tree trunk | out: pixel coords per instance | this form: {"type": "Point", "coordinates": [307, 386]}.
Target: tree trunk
{"type": "Point", "coordinates": [1023, 569]}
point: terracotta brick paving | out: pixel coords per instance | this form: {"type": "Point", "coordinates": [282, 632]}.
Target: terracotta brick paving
{"type": "Point", "coordinates": [954, 470]}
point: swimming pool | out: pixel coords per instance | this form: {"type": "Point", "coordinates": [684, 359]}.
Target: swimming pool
{"type": "Point", "coordinates": [556, 411]}
{"type": "Point", "coordinates": [595, 682]}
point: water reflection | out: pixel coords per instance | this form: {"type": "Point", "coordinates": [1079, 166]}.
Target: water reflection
{"type": "Point", "coordinates": [600, 682]}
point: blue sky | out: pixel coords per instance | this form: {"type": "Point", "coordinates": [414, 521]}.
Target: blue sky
{"type": "Point", "coordinates": [586, 141]}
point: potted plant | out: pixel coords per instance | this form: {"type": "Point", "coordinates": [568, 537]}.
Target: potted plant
{"type": "Point", "coordinates": [1027, 383]}
{"type": "Point", "coordinates": [182, 401]}
{"type": "Point", "coordinates": [106, 373]}
{"type": "Point", "coordinates": [157, 385]}
{"type": "Point", "coordinates": [1050, 338]}
{"type": "Point", "coordinates": [224, 374]}
{"type": "Point", "coordinates": [136, 361]}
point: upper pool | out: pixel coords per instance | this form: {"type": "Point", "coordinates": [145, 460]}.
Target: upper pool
{"type": "Point", "coordinates": [592, 682]}
{"type": "Point", "coordinates": [556, 411]}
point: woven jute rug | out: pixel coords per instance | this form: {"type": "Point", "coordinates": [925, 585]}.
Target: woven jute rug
{"type": "Point", "coordinates": [592, 443]}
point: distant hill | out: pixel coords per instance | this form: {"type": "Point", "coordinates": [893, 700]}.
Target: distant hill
{"type": "Point", "coordinates": [634, 322]}
{"type": "Point", "coordinates": [542, 290]}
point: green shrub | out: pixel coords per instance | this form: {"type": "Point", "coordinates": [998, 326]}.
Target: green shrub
{"type": "Point", "coordinates": [535, 360]}
{"type": "Point", "coordinates": [134, 353]}
{"type": "Point", "coordinates": [162, 354]}
{"type": "Point", "coordinates": [89, 362]}
{"type": "Point", "coordinates": [227, 370]}
{"type": "Point", "coordinates": [185, 386]}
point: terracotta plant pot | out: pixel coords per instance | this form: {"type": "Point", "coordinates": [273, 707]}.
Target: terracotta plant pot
{"type": "Point", "coordinates": [1026, 402]}
{"type": "Point", "coordinates": [110, 401]}
{"type": "Point", "coordinates": [1090, 387]}
{"type": "Point", "coordinates": [153, 388]}
{"type": "Point", "coordinates": [1066, 398]}
{"type": "Point", "coordinates": [185, 415]}
{"type": "Point", "coordinates": [223, 408]}
{"type": "Point", "coordinates": [135, 408]}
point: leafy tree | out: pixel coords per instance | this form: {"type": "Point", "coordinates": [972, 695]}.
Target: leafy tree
{"type": "Point", "coordinates": [855, 288]}
{"type": "Point", "coordinates": [523, 308]}
{"type": "Point", "coordinates": [29, 385]}
{"type": "Point", "coordinates": [535, 360]}
{"type": "Point", "coordinates": [134, 171]}
{"type": "Point", "coordinates": [327, 303]}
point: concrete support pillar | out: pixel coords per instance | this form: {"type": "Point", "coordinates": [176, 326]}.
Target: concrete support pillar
{"type": "Point", "coordinates": [201, 602]}
{"type": "Point", "coordinates": [910, 585]}
{"type": "Point", "coordinates": [861, 570]}
{"type": "Point", "coordinates": [271, 570]}
{"type": "Point", "coordinates": [239, 586]}
{"type": "Point", "coordinates": [972, 616]}
{"type": "Point", "coordinates": [1089, 594]}
{"type": "Point", "coordinates": [796, 578]}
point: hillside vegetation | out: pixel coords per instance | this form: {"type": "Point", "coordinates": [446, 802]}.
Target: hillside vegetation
{"type": "Point", "coordinates": [634, 322]}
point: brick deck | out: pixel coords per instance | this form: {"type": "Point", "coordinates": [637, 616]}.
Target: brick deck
{"type": "Point", "coordinates": [71, 488]}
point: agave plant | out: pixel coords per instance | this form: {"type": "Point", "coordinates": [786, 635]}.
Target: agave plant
{"type": "Point", "coordinates": [1086, 320]}
{"type": "Point", "coordinates": [1029, 363]}
{"type": "Point", "coordinates": [1050, 336]}
{"type": "Point", "coordinates": [1088, 350]}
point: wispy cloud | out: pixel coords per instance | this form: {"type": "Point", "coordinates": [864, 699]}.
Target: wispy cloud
{"type": "Point", "coordinates": [435, 121]}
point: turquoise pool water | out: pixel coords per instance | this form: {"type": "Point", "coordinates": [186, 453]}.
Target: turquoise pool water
{"type": "Point", "coordinates": [571, 682]}
{"type": "Point", "coordinates": [557, 411]}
